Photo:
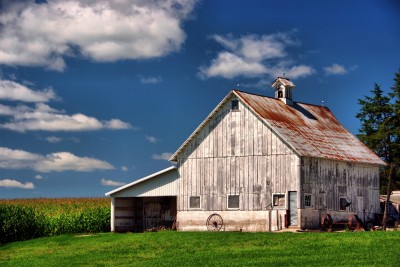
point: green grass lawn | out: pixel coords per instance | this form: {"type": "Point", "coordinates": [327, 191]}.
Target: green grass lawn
{"type": "Point", "coordinates": [169, 248]}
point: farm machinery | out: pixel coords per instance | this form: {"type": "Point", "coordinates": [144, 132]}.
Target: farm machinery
{"type": "Point", "coordinates": [354, 223]}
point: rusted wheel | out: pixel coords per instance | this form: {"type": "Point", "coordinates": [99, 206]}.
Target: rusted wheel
{"type": "Point", "coordinates": [369, 226]}
{"type": "Point", "coordinates": [326, 222]}
{"type": "Point", "coordinates": [214, 222]}
{"type": "Point", "coordinates": [354, 223]}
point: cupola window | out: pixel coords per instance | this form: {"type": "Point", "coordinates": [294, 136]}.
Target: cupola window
{"type": "Point", "coordinates": [283, 90]}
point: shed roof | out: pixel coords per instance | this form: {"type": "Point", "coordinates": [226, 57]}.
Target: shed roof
{"type": "Point", "coordinates": [157, 184]}
{"type": "Point", "coordinates": [394, 197]}
{"type": "Point", "coordinates": [310, 130]}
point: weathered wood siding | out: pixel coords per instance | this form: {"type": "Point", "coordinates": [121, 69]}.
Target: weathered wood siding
{"type": "Point", "coordinates": [235, 154]}
{"type": "Point", "coordinates": [328, 180]}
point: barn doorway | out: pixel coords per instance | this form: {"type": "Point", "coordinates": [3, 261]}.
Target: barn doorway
{"type": "Point", "coordinates": [138, 214]}
{"type": "Point", "coordinates": [159, 213]}
{"type": "Point", "coordinates": [293, 208]}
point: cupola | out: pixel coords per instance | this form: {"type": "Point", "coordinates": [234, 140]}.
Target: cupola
{"type": "Point", "coordinates": [283, 90]}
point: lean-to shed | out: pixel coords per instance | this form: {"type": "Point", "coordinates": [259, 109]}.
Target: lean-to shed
{"type": "Point", "coordinates": [147, 203]}
{"type": "Point", "coordinates": [263, 163]}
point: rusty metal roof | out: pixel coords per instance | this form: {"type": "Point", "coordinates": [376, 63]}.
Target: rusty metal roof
{"type": "Point", "coordinates": [310, 130]}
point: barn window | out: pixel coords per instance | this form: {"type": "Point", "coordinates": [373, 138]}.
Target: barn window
{"type": "Point", "coordinates": [235, 104]}
{"type": "Point", "coordinates": [233, 202]}
{"type": "Point", "coordinates": [194, 202]}
{"type": "Point", "coordinates": [279, 200]}
{"type": "Point", "coordinates": [307, 201]}
{"type": "Point", "coordinates": [344, 203]}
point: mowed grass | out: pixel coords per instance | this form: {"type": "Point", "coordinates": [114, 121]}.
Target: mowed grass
{"type": "Point", "coordinates": [168, 248]}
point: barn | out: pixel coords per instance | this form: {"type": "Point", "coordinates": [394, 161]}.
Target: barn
{"type": "Point", "coordinates": [256, 163]}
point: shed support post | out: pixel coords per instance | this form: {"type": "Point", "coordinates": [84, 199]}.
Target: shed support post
{"type": "Point", "coordinates": [112, 224]}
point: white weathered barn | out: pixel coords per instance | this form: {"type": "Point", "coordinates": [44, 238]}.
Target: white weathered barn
{"type": "Point", "coordinates": [260, 164]}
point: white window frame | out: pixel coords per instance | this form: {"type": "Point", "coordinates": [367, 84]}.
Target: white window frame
{"type": "Point", "coordinates": [273, 200]}
{"type": "Point", "coordinates": [311, 201]}
{"type": "Point", "coordinates": [194, 208]}
{"type": "Point", "coordinates": [227, 202]}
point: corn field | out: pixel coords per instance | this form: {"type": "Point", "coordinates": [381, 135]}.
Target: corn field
{"type": "Point", "coordinates": [22, 219]}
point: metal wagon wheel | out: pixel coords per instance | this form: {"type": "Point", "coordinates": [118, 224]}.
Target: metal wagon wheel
{"type": "Point", "coordinates": [214, 222]}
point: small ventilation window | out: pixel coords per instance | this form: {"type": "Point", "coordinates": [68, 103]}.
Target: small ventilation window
{"type": "Point", "coordinates": [233, 202]}
{"type": "Point", "coordinates": [279, 200]}
{"type": "Point", "coordinates": [307, 201]}
{"type": "Point", "coordinates": [194, 202]}
{"type": "Point", "coordinates": [235, 104]}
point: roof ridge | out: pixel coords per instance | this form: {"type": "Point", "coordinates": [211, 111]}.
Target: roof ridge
{"type": "Point", "coordinates": [270, 97]}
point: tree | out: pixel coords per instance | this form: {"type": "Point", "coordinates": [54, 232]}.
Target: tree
{"type": "Point", "coordinates": [395, 119]}
{"type": "Point", "coordinates": [380, 128]}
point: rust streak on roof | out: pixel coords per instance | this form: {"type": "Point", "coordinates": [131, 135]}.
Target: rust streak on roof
{"type": "Point", "coordinates": [310, 130]}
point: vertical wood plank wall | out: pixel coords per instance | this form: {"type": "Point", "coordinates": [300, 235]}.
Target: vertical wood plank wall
{"type": "Point", "coordinates": [235, 154]}
{"type": "Point", "coordinates": [328, 180]}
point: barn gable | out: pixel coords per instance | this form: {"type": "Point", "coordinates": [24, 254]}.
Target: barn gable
{"type": "Point", "coordinates": [235, 162]}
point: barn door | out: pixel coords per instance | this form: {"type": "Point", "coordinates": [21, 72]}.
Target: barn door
{"type": "Point", "coordinates": [293, 208]}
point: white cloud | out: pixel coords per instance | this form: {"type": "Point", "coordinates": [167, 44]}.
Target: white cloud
{"type": "Point", "coordinates": [335, 69]}
{"type": "Point", "coordinates": [292, 72]}
{"type": "Point", "coordinates": [53, 139]}
{"type": "Point", "coordinates": [124, 168]}
{"type": "Point", "coordinates": [111, 183]}
{"type": "Point", "coordinates": [42, 34]}
{"type": "Point", "coordinates": [163, 156]}
{"type": "Point", "coordinates": [56, 139]}
{"type": "Point", "coordinates": [15, 184]}
{"type": "Point", "coordinates": [150, 79]}
{"type": "Point", "coordinates": [65, 161]}
{"type": "Point", "coordinates": [254, 55]}
{"type": "Point", "coordinates": [10, 90]}
{"type": "Point", "coordinates": [151, 139]}
{"type": "Point", "coordinates": [116, 124]}
{"type": "Point", "coordinates": [299, 71]}
{"type": "Point", "coordinates": [44, 118]}
{"type": "Point", "coordinates": [229, 65]}
{"type": "Point", "coordinates": [36, 120]}
{"type": "Point", "coordinates": [58, 162]}
{"type": "Point", "coordinates": [38, 177]}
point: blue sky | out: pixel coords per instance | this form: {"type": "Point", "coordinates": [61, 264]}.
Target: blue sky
{"type": "Point", "coordinates": [97, 94]}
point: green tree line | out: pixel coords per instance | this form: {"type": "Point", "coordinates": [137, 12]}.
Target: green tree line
{"type": "Point", "coordinates": [380, 128]}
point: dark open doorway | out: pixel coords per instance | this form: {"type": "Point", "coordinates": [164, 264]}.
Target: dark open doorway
{"type": "Point", "coordinates": [138, 214]}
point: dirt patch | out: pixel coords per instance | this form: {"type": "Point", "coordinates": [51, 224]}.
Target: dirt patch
{"type": "Point", "coordinates": [87, 235]}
